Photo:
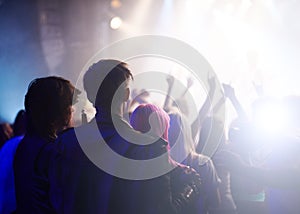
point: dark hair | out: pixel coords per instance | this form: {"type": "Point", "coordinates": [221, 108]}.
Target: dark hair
{"type": "Point", "coordinates": [48, 105]}
{"type": "Point", "coordinates": [103, 79]}
{"type": "Point", "coordinates": [19, 125]}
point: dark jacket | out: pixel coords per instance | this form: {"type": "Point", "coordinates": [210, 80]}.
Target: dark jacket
{"type": "Point", "coordinates": [31, 166]}
{"type": "Point", "coordinates": [87, 186]}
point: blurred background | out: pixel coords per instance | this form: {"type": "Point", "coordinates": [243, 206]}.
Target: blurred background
{"type": "Point", "coordinates": [247, 42]}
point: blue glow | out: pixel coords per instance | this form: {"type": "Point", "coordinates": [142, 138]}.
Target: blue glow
{"type": "Point", "coordinates": [21, 58]}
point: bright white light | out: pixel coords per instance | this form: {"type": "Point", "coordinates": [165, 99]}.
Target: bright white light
{"type": "Point", "coordinates": [271, 118]}
{"type": "Point", "coordinates": [165, 17]}
{"type": "Point", "coordinates": [115, 22]}
{"type": "Point", "coordinates": [139, 16]}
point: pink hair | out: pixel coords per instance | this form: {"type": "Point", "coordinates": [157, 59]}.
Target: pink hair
{"type": "Point", "coordinates": [146, 115]}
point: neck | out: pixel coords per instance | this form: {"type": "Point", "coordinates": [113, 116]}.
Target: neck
{"type": "Point", "coordinates": [117, 110]}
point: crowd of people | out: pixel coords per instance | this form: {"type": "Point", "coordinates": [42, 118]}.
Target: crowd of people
{"type": "Point", "coordinates": [151, 162]}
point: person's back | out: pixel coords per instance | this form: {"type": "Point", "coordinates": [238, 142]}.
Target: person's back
{"type": "Point", "coordinates": [108, 167]}
{"type": "Point", "coordinates": [7, 185]}
{"type": "Point", "coordinates": [48, 108]}
{"type": "Point", "coordinates": [93, 175]}
{"type": "Point", "coordinates": [24, 167]}
{"type": "Point", "coordinates": [7, 153]}
{"type": "Point", "coordinates": [284, 157]}
{"type": "Point", "coordinates": [150, 119]}
{"type": "Point", "coordinates": [183, 150]}
{"type": "Point", "coordinates": [89, 189]}
{"type": "Point", "coordinates": [81, 183]}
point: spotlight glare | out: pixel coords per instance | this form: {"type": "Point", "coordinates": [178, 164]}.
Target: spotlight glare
{"type": "Point", "coordinates": [271, 118]}
{"type": "Point", "coordinates": [115, 4]}
{"type": "Point", "coordinates": [115, 23]}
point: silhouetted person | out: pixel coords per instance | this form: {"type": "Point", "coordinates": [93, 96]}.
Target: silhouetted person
{"type": "Point", "coordinates": [283, 180]}
{"type": "Point", "coordinates": [183, 150]}
{"type": "Point", "coordinates": [48, 105]}
{"type": "Point", "coordinates": [7, 153]}
{"type": "Point", "coordinates": [153, 120]}
{"type": "Point", "coordinates": [91, 187]}
{"type": "Point", "coordinates": [209, 133]}
{"type": "Point", "coordinates": [19, 125]}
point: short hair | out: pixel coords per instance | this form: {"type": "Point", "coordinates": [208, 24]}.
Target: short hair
{"type": "Point", "coordinates": [102, 80]}
{"type": "Point", "coordinates": [48, 105]}
{"type": "Point", "coordinates": [148, 117]}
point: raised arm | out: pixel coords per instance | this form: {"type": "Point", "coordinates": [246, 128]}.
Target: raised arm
{"type": "Point", "coordinates": [170, 81]}
{"type": "Point", "coordinates": [230, 94]}
{"type": "Point", "coordinates": [206, 107]}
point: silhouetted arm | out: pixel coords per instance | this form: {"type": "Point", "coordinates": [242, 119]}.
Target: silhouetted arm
{"type": "Point", "coordinates": [167, 103]}
{"type": "Point", "coordinates": [259, 89]}
{"type": "Point", "coordinates": [230, 94]}
{"type": "Point", "coordinates": [206, 107]}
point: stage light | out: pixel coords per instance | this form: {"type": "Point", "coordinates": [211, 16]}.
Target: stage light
{"type": "Point", "coordinates": [115, 4]}
{"type": "Point", "coordinates": [271, 118]}
{"type": "Point", "coordinates": [115, 22]}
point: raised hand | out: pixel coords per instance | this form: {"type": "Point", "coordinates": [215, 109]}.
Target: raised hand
{"type": "Point", "coordinates": [230, 93]}
{"type": "Point", "coordinates": [228, 90]}
{"type": "Point", "coordinates": [259, 89]}
{"type": "Point", "coordinates": [170, 80]}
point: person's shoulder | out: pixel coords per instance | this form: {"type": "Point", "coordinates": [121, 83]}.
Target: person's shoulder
{"type": "Point", "coordinates": [11, 145]}
{"type": "Point", "coordinates": [15, 140]}
{"type": "Point", "coordinates": [71, 142]}
{"type": "Point", "coordinates": [65, 138]}
{"type": "Point", "coordinates": [66, 133]}
{"type": "Point", "coordinates": [72, 133]}
{"type": "Point", "coordinates": [204, 165]}
{"type": "Point", "coordinates": [126, 132]}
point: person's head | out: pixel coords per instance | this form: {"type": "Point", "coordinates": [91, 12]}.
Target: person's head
{"type": "Point", "coordinates": [19, 125]}
{"type": "Point", "coordinates": [6, 132]}
{"type": "Point", "coordinates": [104, 80]}
{"type": "Point", "coordinates": [48, 105]}
{"type": "Point", "coordinates": [148, 118]}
